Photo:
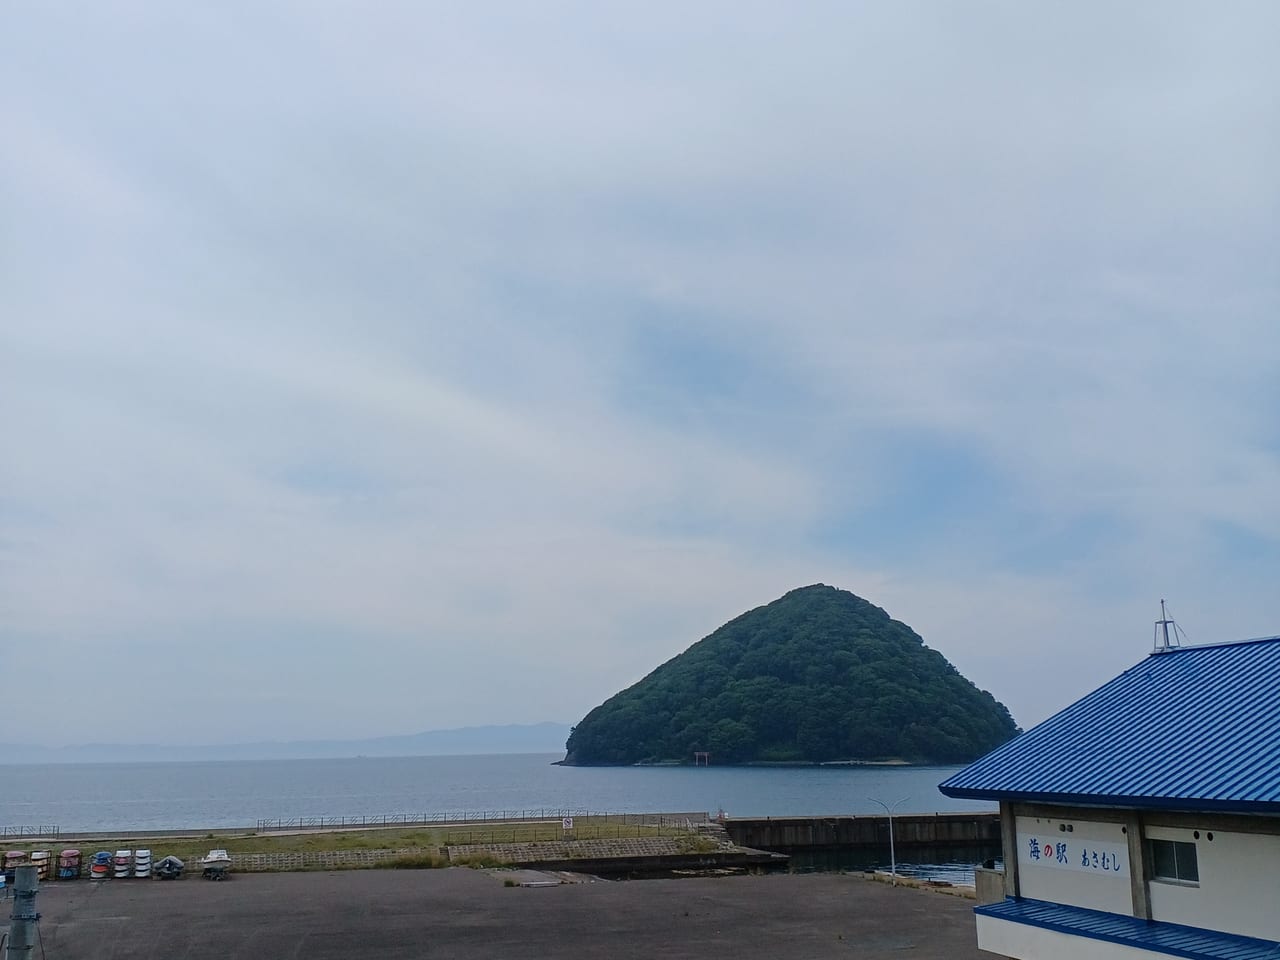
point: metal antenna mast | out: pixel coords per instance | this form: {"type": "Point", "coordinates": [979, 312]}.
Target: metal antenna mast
{"type": "Point", "coordinates": [1162, 639]}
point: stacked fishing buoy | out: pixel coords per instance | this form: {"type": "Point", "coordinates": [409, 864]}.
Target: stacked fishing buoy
{"type": "Point", "coordinates": [100, 866]}
{"type": "Point", "coordinates": [69, 864]}
{"type": "Point", "coordinates": [142, 863]}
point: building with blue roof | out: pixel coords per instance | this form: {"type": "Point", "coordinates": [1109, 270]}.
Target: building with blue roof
{"type": "Point", "coordinates": [1144, 819]}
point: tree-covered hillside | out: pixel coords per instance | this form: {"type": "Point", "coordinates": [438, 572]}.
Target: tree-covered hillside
{"type": "Point", "coordinates": [817, 675]}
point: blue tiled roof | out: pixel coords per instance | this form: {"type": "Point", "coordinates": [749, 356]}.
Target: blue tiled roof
{"type": "Point", "coordinates": [1194, 728]}
{"type": "Point", "coordinates": [1172, 939]}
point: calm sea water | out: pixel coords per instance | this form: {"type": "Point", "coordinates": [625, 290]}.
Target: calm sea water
{"type": "Point", "coordinates": [134, 796]}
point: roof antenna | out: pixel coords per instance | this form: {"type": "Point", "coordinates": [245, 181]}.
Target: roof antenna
{"type": "Point", "coordinates": [1163, 640]}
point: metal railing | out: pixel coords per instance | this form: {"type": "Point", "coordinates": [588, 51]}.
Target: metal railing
{"type": "Point", "coordinates": [463, 817]}
{"type": "Point", "coordinates": [414, 819]}
{"type": "Point", "coordinates": [52, 832]}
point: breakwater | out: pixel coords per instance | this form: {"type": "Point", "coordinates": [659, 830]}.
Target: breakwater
{"type": "Point", "coordinates": [934, 831]}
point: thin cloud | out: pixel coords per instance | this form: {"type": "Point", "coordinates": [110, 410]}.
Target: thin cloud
{"type": "Point", "coordinates": [521, 347]}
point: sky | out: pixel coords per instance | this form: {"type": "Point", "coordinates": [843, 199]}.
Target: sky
{"type": "Point", "coordinates": [368, 368]}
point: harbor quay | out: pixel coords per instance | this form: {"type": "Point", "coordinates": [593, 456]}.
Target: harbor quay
{"type": "Point", "coordinates": [465, 913]}
{"type": "Point", "coordinates": [613, 845]}
{"type": "Point", "coordinates": [934, 831]}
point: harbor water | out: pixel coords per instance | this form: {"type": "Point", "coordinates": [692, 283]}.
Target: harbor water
{"type": "Point", "coordinates": [219, 794]}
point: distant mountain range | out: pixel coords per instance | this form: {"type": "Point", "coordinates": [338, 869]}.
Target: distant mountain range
{"type": "Point", "coordinates": [511, 738]}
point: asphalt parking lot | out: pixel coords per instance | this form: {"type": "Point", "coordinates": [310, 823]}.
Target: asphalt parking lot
{"type": "Point", "coordinates": [462, 913]}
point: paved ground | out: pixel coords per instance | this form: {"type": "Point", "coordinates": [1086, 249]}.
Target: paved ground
{"type": "Point", "coordinates": [465, 914]}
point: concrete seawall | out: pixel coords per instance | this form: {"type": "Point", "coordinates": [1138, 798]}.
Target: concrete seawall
{"type": "Point", "coordinates": [935, 830]}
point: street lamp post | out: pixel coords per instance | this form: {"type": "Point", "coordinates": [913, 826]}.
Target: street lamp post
{"type": "Point", "coordinates": [888, 809]}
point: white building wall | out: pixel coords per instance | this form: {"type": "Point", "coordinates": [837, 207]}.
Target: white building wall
{"type": "Point", "coordinates": [1103, 885]}
{"type": "Point", "coordinates": [1239, 889]}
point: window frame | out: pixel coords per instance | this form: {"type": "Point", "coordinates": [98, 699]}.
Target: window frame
{"type": "Point", "coordinates": [1185, 858]}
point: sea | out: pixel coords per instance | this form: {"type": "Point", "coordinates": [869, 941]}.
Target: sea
{"type": "Point", "coordinates": [97, 797]}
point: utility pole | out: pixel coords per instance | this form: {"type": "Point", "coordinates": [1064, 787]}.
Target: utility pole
{"type": "Point", "coordinates": [22, 922]}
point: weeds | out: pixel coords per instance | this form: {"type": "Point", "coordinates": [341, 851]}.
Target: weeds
{"type": "Point", "coordinates": [479, 860]}
{"type": "Point", "coordinates": [425, 860]}
{"type": "Point", "coordinates": [421, 847]}
{"type": "Point", "coordinates": [695, 844]}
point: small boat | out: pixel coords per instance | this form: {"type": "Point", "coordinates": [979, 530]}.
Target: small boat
{"type": "Point", "coordinates": [100, 866]}
{"type": "Point", "coordinates": [215, 865]}
{"type": "Point", "coordinates": [142, 863]}
{"type": "Point", "coordinates": [123, 863]}
{"type": "Point", "coordinates": [170, 868]}
{"type": "Point", "coordinates": [69, 864]}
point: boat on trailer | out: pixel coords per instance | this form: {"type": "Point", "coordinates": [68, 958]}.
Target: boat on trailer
{"type": "Point", "coordinates": [215, 865]}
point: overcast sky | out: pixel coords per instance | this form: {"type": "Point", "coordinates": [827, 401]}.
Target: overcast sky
{"type": "Point", "coordinates": [368, 368]}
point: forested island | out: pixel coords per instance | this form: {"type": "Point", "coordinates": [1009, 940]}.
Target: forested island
{"type": "Point", "coordinates": [818, 676]}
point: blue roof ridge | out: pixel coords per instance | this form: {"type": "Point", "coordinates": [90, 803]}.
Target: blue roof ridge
{"type": "Point", "coordinates": [1191, 647]}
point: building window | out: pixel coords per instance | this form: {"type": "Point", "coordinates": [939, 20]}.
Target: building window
{"type": "Point", "coordinates": [1174, 860]}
